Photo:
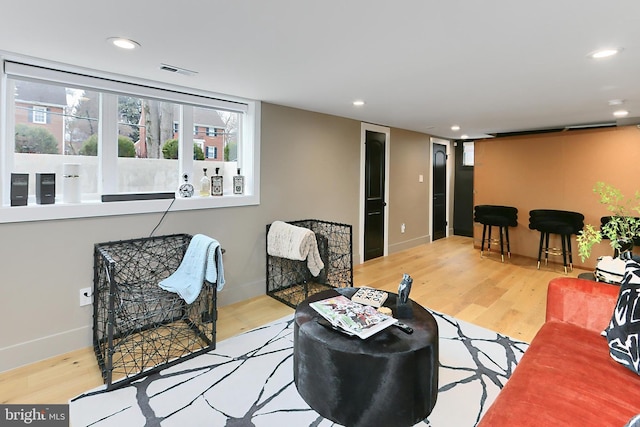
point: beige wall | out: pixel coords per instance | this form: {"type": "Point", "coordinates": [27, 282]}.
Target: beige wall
{"type": "Point", "coordinates": [555, 171]}
{"type": "Point", "coordinates": [310, 166]}
{"type": "Point", "coordinates": [408, 198]}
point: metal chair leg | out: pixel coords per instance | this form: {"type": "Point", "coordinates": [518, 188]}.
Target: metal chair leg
{"type": "Point", "coordinates": [546, 249]}
{"type": "Point", "coordinates": [484, 232]}
{"type": "Point", "coordinates": [540, 248]}
{"type": "Point", "coordinates": [501, 244]}
{"type": "Point", "coordinates": [570, 252]}
{"type": "Point", "coordinates": [564, 252]}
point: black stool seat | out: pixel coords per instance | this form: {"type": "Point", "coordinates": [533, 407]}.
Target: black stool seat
{"type": "Point", "coordinates": [553, 221]}
{"type": "Point", "coordinates": [502, 217]}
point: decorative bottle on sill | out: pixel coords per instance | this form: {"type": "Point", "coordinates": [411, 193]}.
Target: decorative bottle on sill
{"type": "Point", "coordinates": [186, 189]}
{"type": "Point", "coordinates": [205, 184]}
{"type": "Point", "coordinates": [238, 183]}
{"type": "Point", "coordinates": [216, 184]}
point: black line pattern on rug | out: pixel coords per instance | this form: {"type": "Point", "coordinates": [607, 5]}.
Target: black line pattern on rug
{"type": "Point", "coordinates": [513, 351]}
{"type": "Point", "coordinates": [143, 397]}
{"type": "Point", "coordinates": [280, 341]}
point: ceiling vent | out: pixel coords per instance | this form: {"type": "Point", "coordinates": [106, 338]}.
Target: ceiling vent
{"type": "Point", "coordinates": [178, 70]}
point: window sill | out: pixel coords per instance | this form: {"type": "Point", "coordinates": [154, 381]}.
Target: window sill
{"type": "Point", "coordinates": [35, 212]}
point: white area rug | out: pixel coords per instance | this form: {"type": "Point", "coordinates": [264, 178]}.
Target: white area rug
{"type": "Point", "coordinates": [248, 381]}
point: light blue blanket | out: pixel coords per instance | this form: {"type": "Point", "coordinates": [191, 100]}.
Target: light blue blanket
{"type": "Point", "coordinates": [199, 264]}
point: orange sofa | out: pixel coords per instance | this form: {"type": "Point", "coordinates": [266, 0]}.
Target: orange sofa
{"type": "Point", "coordinates": [566, 377]}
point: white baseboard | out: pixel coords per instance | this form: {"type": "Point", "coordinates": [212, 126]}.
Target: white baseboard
{"type": "Point", "coordinates": [408, 244]}
{"type": "Point", "coordinates": [231, 294]}
{"type": "Point", "coordinates": [42, 348]}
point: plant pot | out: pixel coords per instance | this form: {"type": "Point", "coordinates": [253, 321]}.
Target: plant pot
{"type": "Point", "coordinates": [626, 249]}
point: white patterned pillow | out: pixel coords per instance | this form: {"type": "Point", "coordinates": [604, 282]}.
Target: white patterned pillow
{"type": "Point", "coordinates": [633, 422]}
{"type": "Point", "coordinates": [623, 332]}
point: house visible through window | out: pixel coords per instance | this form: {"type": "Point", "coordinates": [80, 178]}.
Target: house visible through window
{"type": "Point", "coordinates": [125, 138]}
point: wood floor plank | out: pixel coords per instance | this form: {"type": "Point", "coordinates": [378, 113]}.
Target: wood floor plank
{"type": "Point", "coordinates": [448, 276]}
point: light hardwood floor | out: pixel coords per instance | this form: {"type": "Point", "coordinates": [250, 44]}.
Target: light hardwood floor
{"type": "Point", "coordinates": [448, 276]}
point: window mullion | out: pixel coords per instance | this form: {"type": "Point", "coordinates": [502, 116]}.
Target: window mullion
{"type": "Point", "coordinates": [185, 142]}
{"type": "Point", "coordinates": [7, 122]}
{"type": "Point", "coordinates": [108, 144]}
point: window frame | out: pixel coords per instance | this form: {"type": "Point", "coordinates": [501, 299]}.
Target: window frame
{"type": "Point", "coordinates": [112, 85]}
{"type": "Point", "coordinates": [39, 111]}
{"type": "Point", "coordinates": [468, 150]}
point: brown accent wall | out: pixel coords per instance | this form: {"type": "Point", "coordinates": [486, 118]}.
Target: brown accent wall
{"type": "Point", "coordinates": [555, 171]}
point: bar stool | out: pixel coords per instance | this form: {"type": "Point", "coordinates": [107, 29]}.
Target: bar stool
{"type": "Point", "coordinates": [502, 217]}
{"type": "Point", "coordinates": [551, 221]}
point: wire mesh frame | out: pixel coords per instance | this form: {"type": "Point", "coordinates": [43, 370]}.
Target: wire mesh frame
{"type": "Point", "coordinates": [139, 328]}
{"type": "Point", "coordinates": [290, 282]}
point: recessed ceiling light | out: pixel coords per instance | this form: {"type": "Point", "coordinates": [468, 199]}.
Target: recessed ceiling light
{"type": "Point", "coordinates": [615, 102]}
{"type": "Point", "coordinates": [123, 43]}
{"type": "Point", "coordinates": [455, 128]}
{"type": "Point", "coordinates": [465, 136]}
{"type": "Point", "coordinates": [621, 113]}
{"type": "Point", "coordinates": [604, 53]}
{"type": "Point", "coordinates": [358, 103]}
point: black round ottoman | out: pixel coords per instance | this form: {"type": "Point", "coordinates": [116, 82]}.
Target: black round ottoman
{"type": "Point", "coordinates": [389, 379]}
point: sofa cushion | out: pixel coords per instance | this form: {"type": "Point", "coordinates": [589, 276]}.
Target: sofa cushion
{"type": "Point", "coordinates": [623, 332]}
{"type": "Point", "coordinates": [584, 303]}
{"type": "Point", "coordinates": [566, 378]}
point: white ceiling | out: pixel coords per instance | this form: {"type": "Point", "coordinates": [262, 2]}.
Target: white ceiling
{"type": "Point", "coordinates": [490, 66]}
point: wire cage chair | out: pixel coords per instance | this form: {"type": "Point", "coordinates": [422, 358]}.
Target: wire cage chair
{"type": "Point", "coordinates": [138, 327]}
{"type": "Point", "coordinates": [290, 282]}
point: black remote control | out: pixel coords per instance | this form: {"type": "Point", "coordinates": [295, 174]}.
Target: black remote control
{"type": "Point", "coordinates": [404, 327]}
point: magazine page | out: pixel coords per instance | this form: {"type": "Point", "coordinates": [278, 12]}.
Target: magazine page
{"type": "Point", "coordinates": [361, 320]}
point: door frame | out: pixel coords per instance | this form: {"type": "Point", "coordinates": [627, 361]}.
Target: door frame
{"type": "Point", "coordinates": [364, 127]}
{"type": "Point", "coordinates": [449, 162]}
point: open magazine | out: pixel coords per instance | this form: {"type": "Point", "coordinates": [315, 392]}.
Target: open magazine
{"type": "Point", "coordinates": [352, 317]}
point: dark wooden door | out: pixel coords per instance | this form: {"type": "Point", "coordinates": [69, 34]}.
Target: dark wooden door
{"type": "Point", "coordinates": [462, 196]}
{"type": "Point", "coordinates": [374, 195]}
{"type": "Point", "coordinates": [439, 228]}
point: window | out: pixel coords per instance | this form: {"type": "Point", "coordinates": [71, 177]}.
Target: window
{"type": "Point", "coordinates": [468, 153]}
{"type": "Point", "coordinates": [39, 115]}
{"type": "Point", "coordinates": [124, 136]}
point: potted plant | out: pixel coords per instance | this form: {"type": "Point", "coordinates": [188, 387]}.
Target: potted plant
{"type": "Point", "coordinates": [622, 227]}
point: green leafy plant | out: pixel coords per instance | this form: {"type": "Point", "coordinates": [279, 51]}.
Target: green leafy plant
{"type": "Point", "coordinates": [170, 150]}
{"type": "Point", "coordinates": [126, 148]}
{"type": "Point", "coordinates": [623, 226]}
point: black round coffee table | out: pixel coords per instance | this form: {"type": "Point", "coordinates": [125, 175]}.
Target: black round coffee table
{"type": "Point", "coordinates": [389, 379]}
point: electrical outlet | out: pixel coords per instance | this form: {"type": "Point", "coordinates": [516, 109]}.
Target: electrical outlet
{"type": "Point", "coordinates": [402, 228]}
{"type": "Point", "coordinates": [86, 296]}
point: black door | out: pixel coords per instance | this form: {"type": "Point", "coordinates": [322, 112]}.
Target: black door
{"type": "Point", "coordinates": [462, 196]}
{"type": "Point", "coordinates": [374, 195]}
{"type": "Point", "coordinates": [439, 191]}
